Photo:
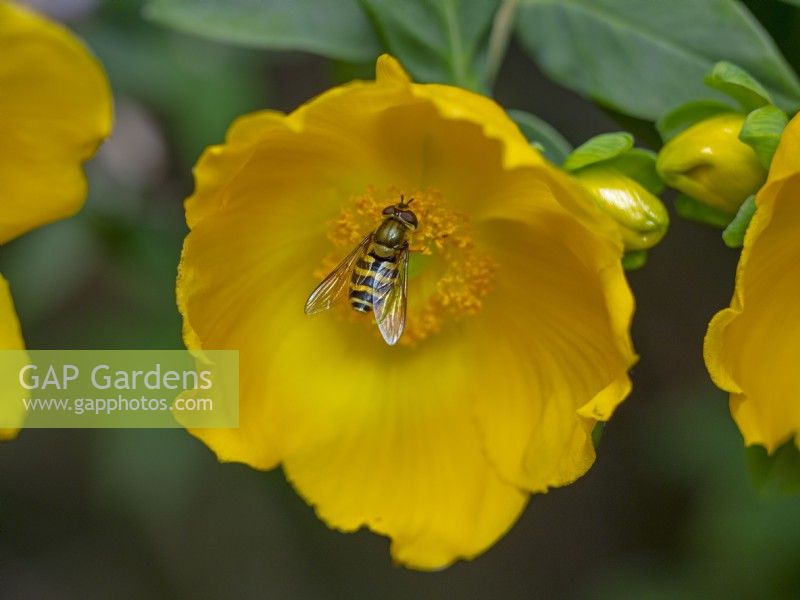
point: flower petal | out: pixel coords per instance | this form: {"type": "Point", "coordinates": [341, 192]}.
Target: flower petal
{"type": "Point", "coordinates": [232, 286]}
{"type": "Point", "coordinates": [784, 163]}
{"type": "Point", "coordinates": [552, 341]}
{"type": "Point", "coordinates": [55, 109]}
{"type": "Point", "coordinates": [391, 446]}
{"type": "Point", "coordinates": [219, 164]}
{"type": "Point", "coordinates": [10, 339]}
{"type": "Point", "coordinates": [752, 347]}
{"type": "Point", "coordinates": [389, 71]}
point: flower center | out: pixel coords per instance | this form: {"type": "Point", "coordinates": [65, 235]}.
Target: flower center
{"type": "Point", "coordinates": [448, 275]}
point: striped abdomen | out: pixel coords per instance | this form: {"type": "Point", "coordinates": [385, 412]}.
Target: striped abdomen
{"type": "Point", "coordinates": [371, 273]}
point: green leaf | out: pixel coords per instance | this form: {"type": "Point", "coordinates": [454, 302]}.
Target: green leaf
{"type": "Point", "coordinates": [792, 2]}
{"type": "Point", "coordinates": [634, 259]}
{"type": "Point", "coordinates": [734, 233]}
{"type": "Point", "coordinates": [762, 130]}
{"type": "Point", "coordinates": [333, 28]}
{"type": "Point", "coordinates": [599, 148]}
{"type": "Point", "coordinates": [737, 83]}
{"type": "Point", "coordinates": [443, 41]}
{"type": "Point", "coordinates": [686, 115]}
{"type": "Point", "coordinates": [537, 131]}
{"type": "Point", "coordinates": [691, 209]}
{"type": "Point", "coordinates": [640, 165]}
{"type": "Point", "coordinates": [778, 474]}
{"type": "Point", "coordinates": [170, 73]}
{"type": "Point", "coordinates": [642, 57]}
{"type": "Point", "coordinates": [597, 433]}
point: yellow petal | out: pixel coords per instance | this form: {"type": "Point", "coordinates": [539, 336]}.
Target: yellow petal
{"type": "Point", "coordinates": [389, 71]}
{"type": "Point", "coordinates": [234, 272]}
{"type": "Point", "coordinates": [551, 347]}
{"type": "Point", "coordinates": [8, 434]}
{"type": "Point", "coordinates": [55, 108]}
{"type": "Point", "coordinates": [784, 163]}
{"type": "Point", "coordinates": [388, 441]}
{"type": "Point", "coordinates": [10, 333]}
{"type": "Point", "coordinates": [218, 164]}
{"type": "Point", "coordinates": [456, 104]}
{"type": "Point", "coordinates": [752, 347]}
{"type": "Point", "coordinates": [10, 339]}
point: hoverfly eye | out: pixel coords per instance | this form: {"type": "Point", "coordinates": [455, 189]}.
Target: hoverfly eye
{"type": "Point", "coordinates": [389, 210]}
{"type": "Point", "coordinates": [409, 217]}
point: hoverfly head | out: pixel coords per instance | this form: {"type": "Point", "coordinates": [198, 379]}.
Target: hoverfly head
{"type": "Point", "coordinates": [401, 213]}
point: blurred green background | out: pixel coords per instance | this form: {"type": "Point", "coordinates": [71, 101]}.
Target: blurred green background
{"type": "Point", "coordinates": [667, 511]}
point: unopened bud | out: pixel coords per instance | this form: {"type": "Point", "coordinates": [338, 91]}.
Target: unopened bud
{"type": "Point", "coordinates": [709, 163]}
{"type": "Point", "coordinates": [639, 214]}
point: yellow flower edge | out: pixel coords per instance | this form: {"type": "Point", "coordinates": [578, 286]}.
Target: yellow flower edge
{"type": "Point", "coordinates": [10, 339]}
{"type": "Point", "coordinates": [436, 444]}
{"type": "Point", "coordinates": [752, 347]}
{"type": "Point", "coordinates": [55, 109]}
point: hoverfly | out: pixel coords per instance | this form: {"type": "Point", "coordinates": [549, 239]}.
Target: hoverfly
{"type": "Point", "coordinates": [374, 274]}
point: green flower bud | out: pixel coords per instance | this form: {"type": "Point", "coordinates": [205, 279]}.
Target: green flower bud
{"type": "Point", "coordinates": [709, 163]}
{"type": "Point", "coordinates": [640, 215]}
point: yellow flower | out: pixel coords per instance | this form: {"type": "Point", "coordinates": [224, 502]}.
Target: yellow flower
{"type": "Point", "coordinates": [709, 163]}
{"type": "Point", "coordinates": [55, 108]}
{"type": "Point", "coordinates": [752, 348]}
{"type": "Point", "coordinates": [639, 214]}
{"type": "Point", "coordinates": [517, 336]}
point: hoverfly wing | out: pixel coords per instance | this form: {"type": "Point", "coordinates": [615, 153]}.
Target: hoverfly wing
{"type": "Point", "coordinates": [389, 301]}
{"type": "Point", "coordinates": [336, 285]}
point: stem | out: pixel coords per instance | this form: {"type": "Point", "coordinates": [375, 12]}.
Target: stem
{"type": "Point", "coordinates": [499, 37]}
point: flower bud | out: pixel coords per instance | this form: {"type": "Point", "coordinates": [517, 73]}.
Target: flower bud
{"type": "Point", "coordinates": [639, 214]}
{"type": "Point", "coordinates": [709, 163]}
